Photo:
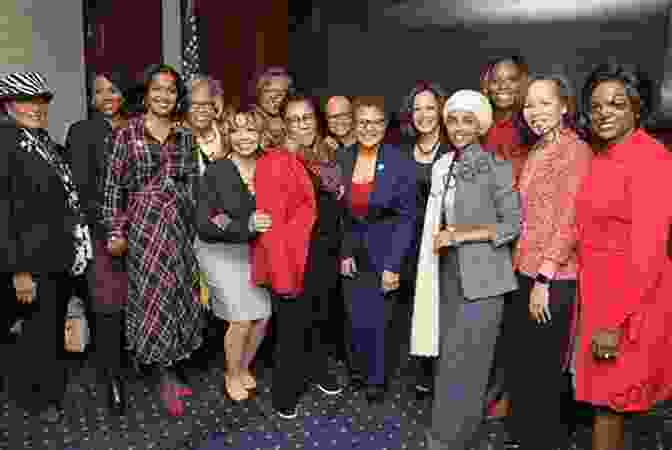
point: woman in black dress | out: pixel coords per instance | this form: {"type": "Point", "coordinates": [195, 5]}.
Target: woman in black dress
{"type": "Point", "coordinates": [43, 239]}
{"type": "Point", "coordinates": [87, 149]}
{"type": "Point", "coordinates": [426, 143]}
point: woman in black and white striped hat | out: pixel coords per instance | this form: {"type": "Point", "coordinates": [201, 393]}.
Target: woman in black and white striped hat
{"type": "Point", "coordinates": [43, 242]}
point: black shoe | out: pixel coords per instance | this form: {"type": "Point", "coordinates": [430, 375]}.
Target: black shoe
{"type": "Point", "coordinates": [116, 397]}
{"type": "Point", "coordinates": [329, 385]}
{"type": "Point", "coordinates": [287, 413]}
{"type": "Point", "coordinates": [511, 444]}
{"type": "Point", "coordinates": [375, 393]}
{"type": "Point", "coordinates": [51, 415]}
{"type": "Point", "coordinates": [357, 380]}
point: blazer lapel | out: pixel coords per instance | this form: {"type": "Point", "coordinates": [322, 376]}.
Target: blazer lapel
{"type": "Point", "coordinates": [380, 178]}
{"type": "Point", "coordinates": [348, 166]}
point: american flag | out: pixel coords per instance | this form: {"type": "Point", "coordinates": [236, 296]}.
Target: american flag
{"type": "Point", "coordinates": [191, 48]}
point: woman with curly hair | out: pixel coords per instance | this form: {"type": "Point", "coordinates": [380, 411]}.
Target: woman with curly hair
{"type": "Point", "coordinates": [625, 258]}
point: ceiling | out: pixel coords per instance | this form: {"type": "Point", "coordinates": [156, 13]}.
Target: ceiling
{"type": "Point", "coordinates": [457, 12]}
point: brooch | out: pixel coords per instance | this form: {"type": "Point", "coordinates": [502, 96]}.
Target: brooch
{"type": "Point", "coordinates": [380, 167]}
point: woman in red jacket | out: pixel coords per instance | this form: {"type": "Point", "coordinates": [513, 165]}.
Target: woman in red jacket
{"type": "Point", "coordinates": [625, 272]}
{"type": "Point", "coordinates": [298, 185]}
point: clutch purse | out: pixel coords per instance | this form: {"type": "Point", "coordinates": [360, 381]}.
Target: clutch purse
{"type": "Point", "coordinates": [76, 327]}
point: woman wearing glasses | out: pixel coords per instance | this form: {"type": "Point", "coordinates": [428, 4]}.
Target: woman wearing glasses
{"type": "Point", "coordinates": [379, 223]}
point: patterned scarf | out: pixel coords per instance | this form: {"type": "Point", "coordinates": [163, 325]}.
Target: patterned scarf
{"type": "Point", "coordinates": [38, 141]}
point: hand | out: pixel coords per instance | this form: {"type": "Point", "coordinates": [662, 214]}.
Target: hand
{"type": "Point", "coordinates": [341, 192]}
{"type": "Point", "coordinates": [444, 238]}
{"type": "Point", "coordinates": [605, 343]}
{"type": "Point", "coordinates": [261, 221]}
{"type": "Point", "coordinates": [539, 309]}
{"type": "Point", "coordinates": [348, 267]}
{"type": "Point", "coordinates": [390, 281]}
{"type": "Point", "coordinates": [24, 286]}
{"type": "Point", "coordinates": [331, 142]}
{"type": "Point", "coordinates": [117, 246]}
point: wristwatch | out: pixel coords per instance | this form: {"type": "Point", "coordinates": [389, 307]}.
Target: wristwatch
{"type": "Point", "coordinates": [542, 279]}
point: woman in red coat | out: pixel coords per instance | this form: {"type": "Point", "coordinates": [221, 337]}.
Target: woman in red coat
{"type": "Point", "coordinates": [625, 272]}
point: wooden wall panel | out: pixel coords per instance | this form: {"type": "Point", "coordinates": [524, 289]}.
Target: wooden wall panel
{"type": "Point", "coordinates": [241, 38]}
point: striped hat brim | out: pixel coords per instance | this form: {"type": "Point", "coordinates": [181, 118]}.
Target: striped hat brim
{"type": "Point", "coordinates": [24, 85]}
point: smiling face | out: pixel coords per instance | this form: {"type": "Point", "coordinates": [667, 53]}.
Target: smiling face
{"type": "Point", "coordinates": [339, 116]}
{"type": "Point", "coordinates": [272, 94]}
{"type": "Point", "coordinates": [543, 108]}
{"type": "Point", "coordinates": [301, 123]}
{"type": "Point", "coordinates": [505, 85]}
{"type": "Point", "coordinates": [613, 115]}
{"type": "Point", "coordinates": [462, 127]}
{"type": "Point", "coordinates": [161, 97]}
{"type": "Point", "coordinates": [371, 126]}
{"type": "Point", "coordinates": [426, 112]}
{"type": "Point", "coordinates": [202, 110]}
{"type": "Point", "coordinates": [33, 113]}
{"type": "Point", "coordinates": [107, 97]}
{"type": "Point", "coordinates": [244, 135]}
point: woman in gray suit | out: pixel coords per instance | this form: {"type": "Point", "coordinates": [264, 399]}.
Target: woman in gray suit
{"type": "Point", "coordinates": [464, 270]}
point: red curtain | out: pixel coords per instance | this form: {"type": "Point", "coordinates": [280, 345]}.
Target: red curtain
{"type": "Point", "coordinates": [127, 35]}
{"type": "Point", "coordinates": [239, 38]}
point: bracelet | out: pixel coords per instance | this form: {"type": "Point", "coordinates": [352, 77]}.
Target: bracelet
{"type": "Point", "coordinates": [542, 279]}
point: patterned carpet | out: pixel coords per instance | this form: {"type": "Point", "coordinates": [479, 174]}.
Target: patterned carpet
{"type": "Point", "coordinates": [213, 422]}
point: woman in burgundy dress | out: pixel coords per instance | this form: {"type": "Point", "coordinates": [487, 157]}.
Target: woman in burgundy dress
{"type": "Point", "coordinates": [625, 270]}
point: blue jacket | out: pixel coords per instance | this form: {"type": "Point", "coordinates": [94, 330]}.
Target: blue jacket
{"type": "Point", "coordinates": [386, 234]}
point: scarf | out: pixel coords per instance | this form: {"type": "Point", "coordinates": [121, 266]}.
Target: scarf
{"type": "Point", "coordinates": [425, 320]}
{"type": "Point", "coordinates": [38, 141]}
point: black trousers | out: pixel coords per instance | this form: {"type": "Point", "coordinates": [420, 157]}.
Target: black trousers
{"type": "Point", "coordinates": [299, 352]}
{"type": "Point", "coordinates": [540, 391]}
{"type": "Point", "coordinates": [108, 344]}
{"type": "Point", "coordinates": [37, 376]}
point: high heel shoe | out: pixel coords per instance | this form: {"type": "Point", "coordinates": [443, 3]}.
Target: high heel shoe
{"type": "Point", "coordinates": [236, 396]}
{"type": "Point", "coordinates": [116, 396]}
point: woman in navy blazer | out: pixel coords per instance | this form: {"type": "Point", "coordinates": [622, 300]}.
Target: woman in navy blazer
{"type": "Point", "coordinates": [379, 225]}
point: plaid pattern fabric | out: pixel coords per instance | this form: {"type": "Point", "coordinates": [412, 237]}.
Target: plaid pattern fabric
{"type": "Point", "coordinates": [149, 199]}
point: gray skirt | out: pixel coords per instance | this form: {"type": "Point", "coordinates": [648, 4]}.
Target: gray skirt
{"type": "Point", "coordinates": [227, 269]}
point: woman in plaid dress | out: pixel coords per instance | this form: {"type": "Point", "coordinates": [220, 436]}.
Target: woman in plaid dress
{"type": "Point", "coordinates": [149, 211]}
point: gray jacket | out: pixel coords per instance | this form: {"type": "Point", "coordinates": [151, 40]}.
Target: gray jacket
{"type": "Point", "coordinates": [484, 195]}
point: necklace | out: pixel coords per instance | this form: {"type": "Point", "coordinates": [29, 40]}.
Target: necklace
{"type": "Point", "coordinates": [424, 155]}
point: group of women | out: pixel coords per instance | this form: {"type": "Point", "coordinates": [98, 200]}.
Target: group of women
{"type": "Point", "coordinates": [525, 238]}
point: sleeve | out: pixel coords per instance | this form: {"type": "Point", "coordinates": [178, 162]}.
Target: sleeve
{"type": "Point", "coordinates": [567, 177]}
{"type": "Point", "coordinates": [270, 183]}
{"type": "Point", "coordinates": [406, 208]}
{"type": "Point", "coordinates": [117, 180]}
{"type": "Point", "coordinates": [651, 221]}
{"type": "Point", "coordinates": [348, 240]}
{"type": "Point", "coordinates": [215, 192]}
{"type": "Point", "coordinates": [7, 236]}
{"type": "Point", "coordinates": [507, 203]}
{"type": "Point", "coordinates": [82, 160]}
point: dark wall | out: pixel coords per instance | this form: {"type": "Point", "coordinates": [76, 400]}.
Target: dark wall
{"type": "Point", "coordinates": [385, 58]}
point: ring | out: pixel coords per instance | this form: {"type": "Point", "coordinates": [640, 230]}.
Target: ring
{"type": "Point", "coordinates": [607, 355]}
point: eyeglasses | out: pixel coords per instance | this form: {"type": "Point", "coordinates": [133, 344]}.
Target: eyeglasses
{"type": "Point", "coordinates": [203, 107]}
{"type": "Point", "coordinates": [308, 119]}
{"type": "Point", "coordinates": [364, 124]}
{"type": "Point", "coordinates": [344, 117]}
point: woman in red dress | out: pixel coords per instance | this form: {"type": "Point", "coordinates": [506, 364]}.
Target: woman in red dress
{"type": "Point", "coordinates": [625, 271]}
